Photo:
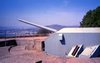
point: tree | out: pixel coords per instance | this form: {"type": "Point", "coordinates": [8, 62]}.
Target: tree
{"type": "Point", "coordinates": [43, 31]}
{"type": "Point", "coordinates": [91, 19]}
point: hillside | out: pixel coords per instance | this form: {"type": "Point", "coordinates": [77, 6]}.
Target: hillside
{"type": "Point", "coordinates": [58, 27]}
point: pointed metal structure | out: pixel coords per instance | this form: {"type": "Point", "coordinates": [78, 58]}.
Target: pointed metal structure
{"type": "Point", "coordinates": [33, 24]}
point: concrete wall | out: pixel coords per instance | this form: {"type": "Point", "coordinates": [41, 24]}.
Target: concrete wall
{"type": "Point", "coordinates": [35, 44]}
{"type": "Point", "coordinates": [27, 44]}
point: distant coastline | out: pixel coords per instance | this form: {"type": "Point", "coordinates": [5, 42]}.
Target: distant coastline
{"type": "Point", "coordinates": [17, 31]}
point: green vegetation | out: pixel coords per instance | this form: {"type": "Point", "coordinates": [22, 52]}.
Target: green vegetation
{"type": "Point", "coordinates": [91, 19]}
{"type": "Point", "coordinates": [43, 31]}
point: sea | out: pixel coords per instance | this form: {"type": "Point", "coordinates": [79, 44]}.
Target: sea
{"type": "Point", "coordinates": [17, 32]}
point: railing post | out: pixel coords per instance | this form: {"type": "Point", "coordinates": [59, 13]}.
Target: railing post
{"type": "Point", "coordinates": [5, 37]}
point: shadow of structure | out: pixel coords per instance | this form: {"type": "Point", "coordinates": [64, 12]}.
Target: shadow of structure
{"type": "Point", "coordinates": [39, 61]}
{"type": "Point", "coordinates": [8, 43]}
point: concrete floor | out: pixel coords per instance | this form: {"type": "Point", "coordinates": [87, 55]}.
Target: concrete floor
{"type": "Point", "coordinates": [19, 55]}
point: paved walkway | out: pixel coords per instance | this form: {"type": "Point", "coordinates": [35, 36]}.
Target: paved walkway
{"type": "Point", "coordinates": [19, 55]}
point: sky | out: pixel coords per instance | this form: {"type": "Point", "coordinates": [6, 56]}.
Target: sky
{"type": "Point", "coordinates": [44, 12]}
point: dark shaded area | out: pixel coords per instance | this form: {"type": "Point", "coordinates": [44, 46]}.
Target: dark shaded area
{"type": "Point", "coordinates": [10, 48]}
{"type": "Point", "coordinates": [75, 50]}
{"type": "Point", "coordinates": [80, 51]}
{"type": "Point", "coordinates": [43, 46]}
{"type": "Point", "coordinates": [63, 40]}
{"type": "Point", "coordinates": [39, 61]}
{"type": "Point", "coordinates": [8, 43]}
{"type": "Point", "coordinates": [97, 53]}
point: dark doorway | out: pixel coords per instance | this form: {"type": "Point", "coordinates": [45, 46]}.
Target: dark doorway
{"type": "Point", "coordinates": [43, 46]}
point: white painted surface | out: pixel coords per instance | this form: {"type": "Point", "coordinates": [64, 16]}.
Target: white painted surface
{"type": "Point", "coordinates": [89, 51]}
{"type": "Point", "coordinates": [79, 30]}
{"type": "Point", "coordinates": [60, 36]}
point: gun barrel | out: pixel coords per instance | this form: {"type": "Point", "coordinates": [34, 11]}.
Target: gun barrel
{"type": "Point", "coordinates": [40, 26]}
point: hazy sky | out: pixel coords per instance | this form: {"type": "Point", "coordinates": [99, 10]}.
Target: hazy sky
{"type": "Point", "coordinates": [45, 12]}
